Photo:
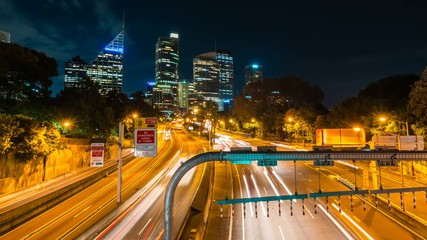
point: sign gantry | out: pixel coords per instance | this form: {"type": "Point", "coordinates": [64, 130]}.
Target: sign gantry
{"type": "Point", "coordinates": [270, 158]}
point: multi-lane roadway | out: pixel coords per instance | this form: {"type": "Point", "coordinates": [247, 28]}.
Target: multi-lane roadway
{"type": "Point", "coordinates": [89, 214]}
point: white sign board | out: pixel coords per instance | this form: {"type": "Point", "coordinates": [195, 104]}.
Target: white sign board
{"type": "Point", "coordinates": [97, 155]}
{"type": "Point", "coordinates": [145, 142]}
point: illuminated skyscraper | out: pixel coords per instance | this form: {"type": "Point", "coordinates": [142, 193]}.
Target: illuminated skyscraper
{"type": "Point", "coordinates": [165, 94]}
{"type": "Point", "coordinates": [149, 92]}
{"type": "Point", "coordinates": [206, 76]}
{"type": "Point", "coordinates": [107, 68]}
{"type": "Point", "coordinates": [185, 90]}
{"type": "Point", "coordinates": [75, 70]}
{"type": "Point", "coordinates": [253, 73]}
{"type": "Point", "coordinates": [226, 78]}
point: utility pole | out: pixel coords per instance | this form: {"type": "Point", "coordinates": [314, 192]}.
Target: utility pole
{"type": "Point", "coordinates": [119, 164]}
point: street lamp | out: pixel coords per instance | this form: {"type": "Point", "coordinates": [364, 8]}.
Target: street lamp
{"type": "Point", "coordinates": [383, 119]}
{"type": "Point", "coordinates": [67, 125]}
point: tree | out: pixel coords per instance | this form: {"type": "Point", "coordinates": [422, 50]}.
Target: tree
{"type": "Point", "coordinates": [138, 103]}
{"type": "Point", "coordinates": [350, 113]}
{"type": "Point", "coordinates": [300, 123]}
{"type": "Point", "coordinates": [25, 74]}
{"type": "Point", "coordinates": [85, 105]}
{"type": "Point", "coordinates": [417, 104]}
{"type": "Point", "coordinates": [391, 92]}
{"type": "Point", "coordinates": [30, 138]}
{"type": "Point", "coordinates": [9, 129]}
{"type": "Point", "coordinates": [296, 91]}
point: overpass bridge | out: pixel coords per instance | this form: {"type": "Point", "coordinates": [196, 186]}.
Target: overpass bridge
{"type": "Point", "coordinates": [270, 158]}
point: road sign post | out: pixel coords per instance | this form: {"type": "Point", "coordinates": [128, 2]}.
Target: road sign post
{"type": "Point", "coordinates": [97, 155]}
{"type": "Point", "coordinates": [119, 164]}
{"type": "Point", "coordinates": [145, 142]}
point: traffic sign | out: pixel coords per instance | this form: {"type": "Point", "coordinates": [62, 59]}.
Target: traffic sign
{"type": "Point", "coordinates": [97, 155]}
{"type": "Point", "coordinates": [321, 162]}
{"type": "Point", "coordinates": [145, 142]}
{"type": "Point", "coordinates": [149, 122]}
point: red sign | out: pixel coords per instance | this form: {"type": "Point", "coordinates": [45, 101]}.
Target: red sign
{"type": "Point", "coordinates": [97, 155]}
{"type": "Point", "coordinates": [145, 142]}
{"type": "Point", "coordinates": [150, 121]}
{"type": "Point", "coordinates": [146, 136]}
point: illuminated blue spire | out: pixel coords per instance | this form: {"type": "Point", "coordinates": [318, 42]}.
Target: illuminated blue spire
{"type": "Point", "coordinates": [107, 67]}
{"type": "Point", "coordinates": [117, 44]}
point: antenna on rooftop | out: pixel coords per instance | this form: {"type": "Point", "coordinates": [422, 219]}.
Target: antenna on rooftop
{"type": "Point", "coordinates": [123, 27]}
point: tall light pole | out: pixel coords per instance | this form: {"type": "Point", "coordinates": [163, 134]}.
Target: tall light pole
{"type": "Point", "coordinates": [119, 164]}
{"type": "Point", "coordinates": [407, 129]}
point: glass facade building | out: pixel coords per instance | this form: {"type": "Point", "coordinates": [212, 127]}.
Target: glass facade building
{"type": "Point", "coordinates": [107, 68]}
{"type": "Point", "coordinates": [165, 94]}
{"type": "Point", "coordinates": [185, 90]}
{"type": "Point", "coordinates": [226, 78]}
{"type": "Point", "coordinates": [206, 76]}
{"type": "Point", "coordinates": [75, 71]}
{"type": "Point", "coordinates": [253, 73]}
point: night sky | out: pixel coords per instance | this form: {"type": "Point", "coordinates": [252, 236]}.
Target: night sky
{"type": "Point", "coordinates": [339, 45]}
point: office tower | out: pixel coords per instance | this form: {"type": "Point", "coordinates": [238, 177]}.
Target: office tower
{"type": "Point", "coordinates": [253, 73]}
{"type": "Point", "coordinates": [226, 78]}
{"type": "Point", "coordinates": [185, 90]}
{"type": "Point", "coordinates": [107, 68]}
{"type": "Point", "coordinates": [75, 71]}
{"type": "Point", "coordinates": [206, 76]}
{"type": "Point", "coordinates": [149, 92]}
{"type": "Point", "coordinates": [165, 94]}
{"type": "Point", "coordinates": [4, 36]}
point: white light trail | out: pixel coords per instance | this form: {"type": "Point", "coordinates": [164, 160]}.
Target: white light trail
{"type": "Point", "coordinates": [347, 164]}
{"type": "Point", "coordinates": [347, 234]}
{"type": "Point", "coordinates": [243, 213]}
{"type": "Point", "coordinates": [145, 226]}
{"type": "Point", "coordinates": [249, 193]}
{"type": "Point", "coordinates": [283, 183]}
{"type": "Point", "coordinates": [354, 223]}
{"type": "Point", "coordinates": [271, 183]}
{"type": "Point", "coordinates": [259, 194]}
{"type": "Point", "coordinates": [281, 233]}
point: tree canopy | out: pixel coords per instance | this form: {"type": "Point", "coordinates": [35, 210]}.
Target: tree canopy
{"type": "Point", "coordinates": [25, 74]}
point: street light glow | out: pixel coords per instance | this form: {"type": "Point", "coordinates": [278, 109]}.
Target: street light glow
{"type": "Point", "coordinates": [66, 124]}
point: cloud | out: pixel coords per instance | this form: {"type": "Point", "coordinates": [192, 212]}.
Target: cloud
{"type": "Point", "coordinates": [65, 5]}
{"type": "Point", "coordinates": [6, 8]}
{"type": "Point", "coordinates": [107, 20]}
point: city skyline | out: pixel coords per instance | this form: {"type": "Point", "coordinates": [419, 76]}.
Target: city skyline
{"type": "Point", "coordinates": [341, 47]}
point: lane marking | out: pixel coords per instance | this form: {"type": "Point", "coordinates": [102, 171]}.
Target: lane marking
{"type": "Point", "coordinates": [78, 214]}
{"type": "Point", "coordinates": [281, 233]}
{"type": "Point", "coordinates": [144, 226]}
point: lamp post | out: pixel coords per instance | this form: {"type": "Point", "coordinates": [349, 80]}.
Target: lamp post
{"type": "Point", "coordinates": [290, 119]}
{"type": "Point", "coordinates": [66, 124]}
{"type": "Point", "coordinates": [383, 119]}
{"type": "Point", "coordinates": [119, 165]}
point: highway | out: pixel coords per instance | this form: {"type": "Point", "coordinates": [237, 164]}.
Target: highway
{"type": "Point", "coordinates": [145, 219]}
{"type": "Point", "coordinates": [339, 221]}
{"type": "Point", "coordinates": [73, 216]}
{"type": "Point", "coordinates": [144, 181]}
